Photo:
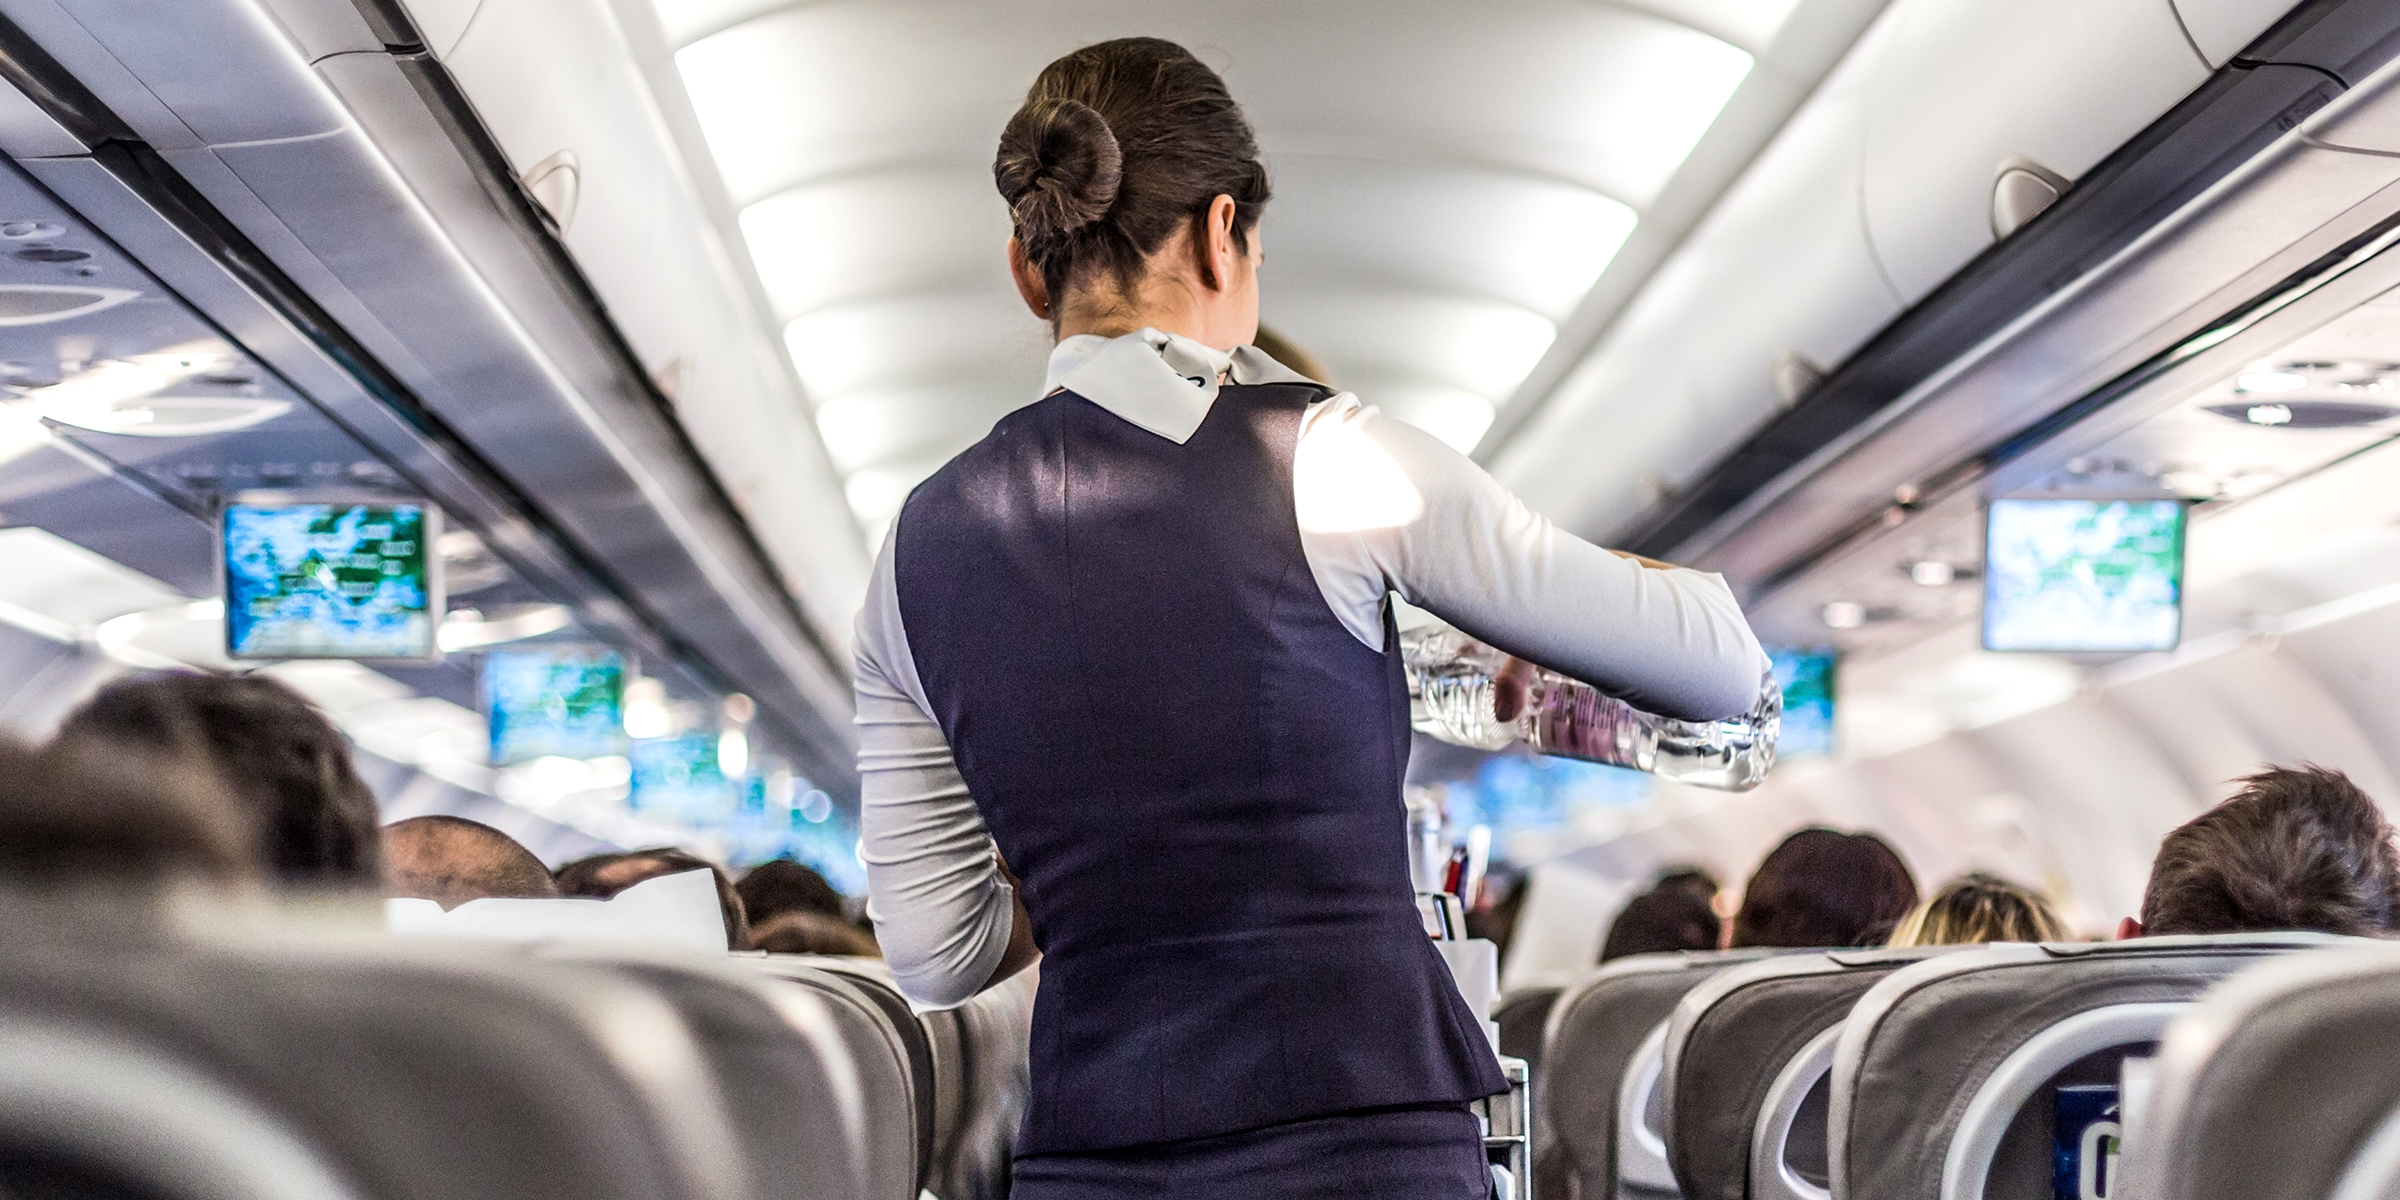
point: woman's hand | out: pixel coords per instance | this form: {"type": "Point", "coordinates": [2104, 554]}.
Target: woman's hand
{"type": "Point", "coordinates": [1509, 689]}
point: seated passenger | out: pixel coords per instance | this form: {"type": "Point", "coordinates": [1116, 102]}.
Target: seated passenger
{"type": "Point", "coordinates": [795, 931]}
{"type": "Point", "coordinates": [1823, 887]}
{"type": "Point", "coordinates": [604, 875]}
{"type": "Point", "coordinates": [286, 768]}
{"type": "Point", "coordinates": [451, 860]}
{"type": "Point", "coordinates": [1675, 914]}
{"type": "Point", "coordinates": [1976, 908]}
{"type": "Point", "coordinates": [75, 820]}
{"type": "Point", "coordinates": [772, 889]}
{"type": "Point", "coordinates": [2295, 848]}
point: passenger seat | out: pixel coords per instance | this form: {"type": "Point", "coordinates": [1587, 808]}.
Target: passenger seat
{"type": "Point", "coordinates": [392, 1070]}
{"type": "Point", "coordinates": [893, 1057]}
{"type": "Point", "coordinates": [1596, 1132]}
{"type": "Point", "coordinates": [2280, 1083]}
{"type": "Point", "coordinates": [1746, 1055]}
{"type": "Point", "coordinates": [1946, 1078]}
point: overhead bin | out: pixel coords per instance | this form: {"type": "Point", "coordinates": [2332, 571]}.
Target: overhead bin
{"type": "Point", "coordinates": [357, 236]}
{"type": "Point", "coordinates": [583, 115]}
{"type": "Point", "coordinates": [1780, 271]}
{"type": "Point", "coordinates": [1962, 89]}
{"type": "Point", "coordinates": [2220, 28]}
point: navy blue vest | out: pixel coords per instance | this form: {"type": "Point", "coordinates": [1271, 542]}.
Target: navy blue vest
{"type": "Point", "coordinates": [1194, 768]}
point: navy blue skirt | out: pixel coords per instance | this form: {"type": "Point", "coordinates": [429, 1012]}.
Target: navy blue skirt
{"type": "Point", "coordinates": [1416, 1152]}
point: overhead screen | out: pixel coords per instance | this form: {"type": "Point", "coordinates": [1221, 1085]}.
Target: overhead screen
{"type": "Point", "coordinates": [1806, 677]}
{"type": "Point", "coordinates": [330, 580]}
{"type": "Point", "coordinates": [567, 701]}
{"type": "Point", "coordinates": [2083, 576]}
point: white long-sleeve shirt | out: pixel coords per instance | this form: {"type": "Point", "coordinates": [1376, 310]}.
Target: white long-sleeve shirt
{"type": "Point", "coordinates": [1384, 509]}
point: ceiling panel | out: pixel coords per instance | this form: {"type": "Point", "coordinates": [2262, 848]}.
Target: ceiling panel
{"type": "Point", "coordinates": [1449, 183]}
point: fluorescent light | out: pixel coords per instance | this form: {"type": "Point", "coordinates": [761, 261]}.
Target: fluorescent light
{"type": "Point", "coordinates": [646, 714]}
{"type": "Point", "coordinates": [733, 753]}
{"type": "Point", "coordinates": [467, 629]}
{"type": "Point", "coordinates": [2269, 382]}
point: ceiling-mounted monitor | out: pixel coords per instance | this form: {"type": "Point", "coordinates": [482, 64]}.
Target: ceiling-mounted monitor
{"type": "Point", "coordinates": [2083, 576]}
{"type": "Point", "coordinates": [1806, 677]}
{"type": "Point", "coordinates": [554, 701]}
{"type": "Point", "coordinates": [331, 579]}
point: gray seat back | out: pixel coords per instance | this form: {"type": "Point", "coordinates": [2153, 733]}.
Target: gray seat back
{"type": "Point", "coordinates": [1946, 1078]}
{"type": "Point", "coordinates": [892, 1056]}
{"type": "Point", "coordinates": [1594, 1132]}
{"type": "Point", "coordinates": [982, 1051]}
{"type": "Point", "coordinates": [1522, 1014]}
{"type": "Point", "coordinates": [2278, 1083]}
{"type": "Point", "coordinates": [93, 1112]}
{"type": "Point", "coordinates": [1756, 1040]}
{"type": "Point", "coordinates": [423, 1071]}
{"type": "Point", "coordinates": [780, 1061]}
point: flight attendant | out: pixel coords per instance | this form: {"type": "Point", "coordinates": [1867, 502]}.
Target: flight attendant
{"type": "Point", "coordinates": [1129, 690]}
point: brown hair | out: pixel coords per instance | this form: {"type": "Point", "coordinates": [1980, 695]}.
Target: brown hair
{"type": "Point", "coordinates": [2295, 848]}
{"type": "Point", "coordinates": [281, 761]}
{"type": "Point", "coordinates": [1823, 887]}
{"type": "Point", "coordinates": [1980, 908]}
{"type": "Point", "coordinates": [1119, 145]}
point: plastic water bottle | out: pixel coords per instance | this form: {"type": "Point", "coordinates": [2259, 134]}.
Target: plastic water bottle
{"type": "Point", "coordinates": [1452, 679]}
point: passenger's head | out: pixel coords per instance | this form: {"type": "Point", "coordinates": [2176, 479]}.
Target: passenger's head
{"type": "Point", "coordinates": [2295, 848]}
{"type": "Point", "coordinates": [797, 931]}
{"type": "Point", "coordinates": [1822, 887]}
{"type": "Point", "coordinates": [771, 889]}
{"type": "Point", "coordinates": [1980, 908]}
{"type": "Point", "coordinates": [604, 875]}
{"type": "Point", "coordinates": [451, 860]}
{"type": "Point", "coordinates": [285, 766]}
{"type": "Point", "coordinates": [1674, 915]}
{"type": "Point", "coordinates": [72, 819]}
{"type": "Point", "coordinates": [1130, 163]}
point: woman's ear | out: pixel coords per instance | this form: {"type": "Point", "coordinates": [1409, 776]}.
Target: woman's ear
{"type": "Point", "coordinates": [1030, 284]}
{"type": "Point", "coordinates": [1218, 252]}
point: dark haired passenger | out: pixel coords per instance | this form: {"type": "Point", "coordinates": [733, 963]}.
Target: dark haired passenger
{"type": "Point", "coordinates": [284, 765]}
{"type": "Point", "coordinates": [1195, 543]}
{"type": "Point", "coordinates": [604, 875]}
{"type": "Point", "coordinates": [797, 931]}
{"type": "Point", "coordinates": [773, 888]}
{"type": "Point", "coordinates": [1675, 914]}
{"type": "Point", "coordinates": [1823, 887]}
{"type": "Point", "coordinates": [451, 860]}
{"type": "Point", "coordinates": [2296, 848]}
{"type": "Point", "coordinates": [75, 820]}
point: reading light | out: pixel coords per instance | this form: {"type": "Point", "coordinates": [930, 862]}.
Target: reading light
{"type": "Point", "coordinates": [1932, 573]}
{"type": "Point", "coordinates": [1844, 614]}
{"type": "Point", "coordinates": [2268, 414]}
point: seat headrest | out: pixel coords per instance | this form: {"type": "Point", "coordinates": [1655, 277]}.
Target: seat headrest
{"type": "Point", "coordinates": [2278, 1083]}
{"type": "Point", "coordinates": [1937, 1060]}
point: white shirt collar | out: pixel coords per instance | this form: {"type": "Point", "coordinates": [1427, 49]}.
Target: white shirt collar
{"type": "Point", "coordinates": [1163, 382]}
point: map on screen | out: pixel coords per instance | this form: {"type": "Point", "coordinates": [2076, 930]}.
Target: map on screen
{"type": "Point", "coordinates": [2083, 575]}
{"type": "Point", "coordinates": [327, 581]}
{"type": "Point", "coordinates": [567, 701]}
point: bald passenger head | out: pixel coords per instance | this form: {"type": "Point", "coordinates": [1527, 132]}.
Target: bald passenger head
{"type": "Point", "coordinates": [451, 860]}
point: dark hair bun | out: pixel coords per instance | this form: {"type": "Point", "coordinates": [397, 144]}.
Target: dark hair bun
{"type": "Point", "coordinates": [1058, 168]}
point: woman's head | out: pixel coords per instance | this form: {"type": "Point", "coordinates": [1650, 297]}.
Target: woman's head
{"type": "Point", "coordinates": [273, 754]}
{"type": "Point", "coordinates": [1980, 908]}
{"type": "Point", "coordinates": [1128, 162]}
{"type": "Point", "coordinates": [1822, 887]}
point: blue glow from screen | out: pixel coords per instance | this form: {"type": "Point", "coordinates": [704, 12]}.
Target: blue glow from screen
{"type": "Point", "coordinates": [327, 581]}
{"type": "Point", "coordinates": [1806, 676]}
{"type": "Point", "coordinates": [563, 701]}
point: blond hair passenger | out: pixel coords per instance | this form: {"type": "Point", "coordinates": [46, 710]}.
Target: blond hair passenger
{"type": "Point", "coordinates": [1980, 908]}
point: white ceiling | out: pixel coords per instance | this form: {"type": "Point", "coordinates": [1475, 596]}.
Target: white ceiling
{"type": "Point", "coordinates": [1449, 182]}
